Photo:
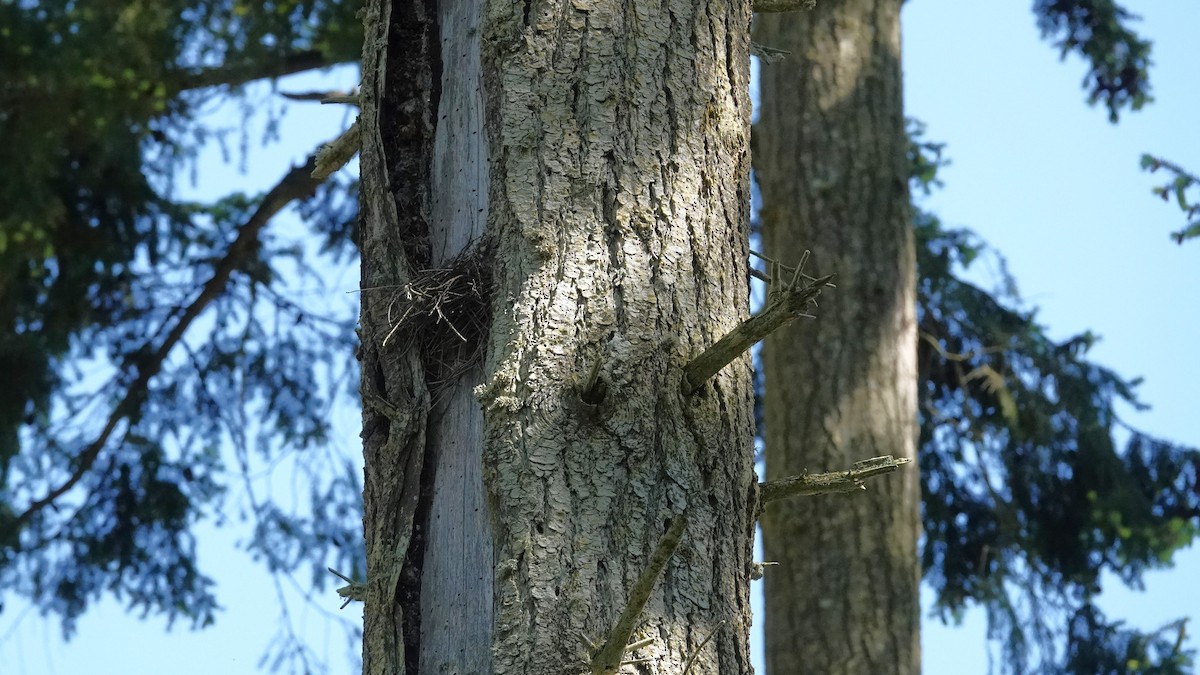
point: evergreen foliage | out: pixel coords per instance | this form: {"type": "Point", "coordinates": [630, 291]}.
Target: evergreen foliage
{"type": "Point", "coordinates": [1119, 77]}
{"type": "Point", "coordinates": [1098, 30]}
{"type": "Point", "coordinates": [111, 422]}
{"type": "Point", "coordinates": [1027, 494]}
{"type": "Point", "coordinates": [139, 334]}
{"type": "Point", "coordinates": [1183, 186]}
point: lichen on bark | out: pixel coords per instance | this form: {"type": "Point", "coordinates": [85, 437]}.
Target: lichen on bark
{"type": "Point", "coordinates": [619, 201]}
{"type": "Point", "coordinates": [614, 183]}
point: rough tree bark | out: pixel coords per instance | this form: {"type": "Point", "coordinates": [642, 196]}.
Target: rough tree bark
{"type": "Point", "coordinates": [829, 157]}
{"type": "Point", "coordinates": [583, 169]}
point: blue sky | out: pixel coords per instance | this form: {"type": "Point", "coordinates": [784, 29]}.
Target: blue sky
{"type": "Point", "coordinates": [1057, 189]}
{"type": "Point", "coordinates": [1045, 179]}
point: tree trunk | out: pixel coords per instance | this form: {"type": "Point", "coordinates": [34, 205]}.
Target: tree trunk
{"type": "Point", "coordinates": [830, 160]}
{"type": "Point", "coordinates": [579, 174]}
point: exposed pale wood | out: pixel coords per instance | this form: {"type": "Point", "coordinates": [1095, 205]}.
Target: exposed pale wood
{"type": "Point", "coordinates": [456, 591]}
{"type": "Point", "coordinates": [456, 596]}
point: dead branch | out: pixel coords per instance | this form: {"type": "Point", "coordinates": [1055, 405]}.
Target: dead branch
{"type": "Point", "coordinates": [687, 666]}
{"type": "Point", "coordinates": [768, 55]}
{"type": "Point", "coordinates": [785, 304]}
{"type": "Point", "coordinates": [321, 96]}
{"type": "Point", "coordinates": [765, 6]}
{"type": "Point", "coordinates": [831, 482]}
{"type": "Point", "coordinates": [352, 591]}
{"type": "Point", "coordinates": [234, 74]}
{"type": "Point", "coordinates": [607, 661]}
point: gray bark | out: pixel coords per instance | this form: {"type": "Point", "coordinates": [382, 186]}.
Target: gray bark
{"type": "Point", "coordinates": [596, 157]}
{"type": "Point", "coordinates": [396, 126]}
{"type": "Point", "coordinates": [830, 161]}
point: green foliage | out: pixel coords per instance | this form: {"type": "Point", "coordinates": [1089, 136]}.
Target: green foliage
{"type": "Point", "coordinates": [1098, 31]}
{"type": "Point", "coordinates": [1119, 76]}
{"type": "Point", "coordinates": [98, 261]}
{"type": "Point", "coordinates": [1158, 653]}
{"type": "Point", "coordinates": [1182, 186]}
{"type": "Point", "coordinates": [96, 103]}
{"type": "Point", "coordinates": [924, 158]}
{"type": "Point", "coordinates": [1028, 497]}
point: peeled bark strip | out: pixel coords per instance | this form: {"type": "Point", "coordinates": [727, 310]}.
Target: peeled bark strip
{"type": "Point", "coordinates": [399, 101]}
{"type": "Point", "coordinates": [830, 161]}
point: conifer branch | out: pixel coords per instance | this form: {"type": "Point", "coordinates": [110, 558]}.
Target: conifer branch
{"type": "Point", "coordinates": [234, 74]}
{"type": "Point", "coordinates": [607, 661]}
{"type": "Point", "coordinates": [148, 360]}
{"type": "Point", "coordinates": [322, 96]}
{"type": "Point", "coordinates": [830, 482]}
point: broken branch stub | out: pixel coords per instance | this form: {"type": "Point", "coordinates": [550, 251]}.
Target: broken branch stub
{"type": "Point", "coordinates": [607, 661]}
{"type": "Point", "coordinates": [786, 305]}
{"type": "Point", "coordinates": [762, 6]}
{"type": "Point", "coordinates": [831, 482]}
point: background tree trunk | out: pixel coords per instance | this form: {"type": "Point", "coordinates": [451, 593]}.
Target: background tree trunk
{"type": "Point", "coordinates": [605, 149]}
{"type": "Point", "coordinates": [830, 160]}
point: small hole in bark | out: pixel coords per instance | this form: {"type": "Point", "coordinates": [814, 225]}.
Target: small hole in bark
{"type": "Point", "coordinates": [594, 395]}
{"type": "Point", "coordinates": [594, 387]}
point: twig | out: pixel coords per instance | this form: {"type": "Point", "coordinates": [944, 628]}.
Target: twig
{"type": "Point", "coordinates": [240, 73]}
{"type": "Point", "coordinates": [759, 569]}
{"type": "Point", "coordinates": [321, 96]}
{"type": "Point", "coordinates": [831, 482]}
{"type": "Point", "coordinates": [607, 661]}
{"type": "Point", "coordinates": [594, 388]}
{"type": "Point", "coordinates": [783, 5]}
{"type": "Point", "coordinates": [348, 99]}
{"type": "Point", "coordinates": [777, 266]}
{"type": "Point", "coordinates": [687, 666]}
{"type": "Point", "coordinates": [644, 642]}
{"type": "Point", "coordinates": [768, 55]}
{"type": "Point", "coordinates": [787, 305]}
{"type": "Point", "coordinates": [353, 590]}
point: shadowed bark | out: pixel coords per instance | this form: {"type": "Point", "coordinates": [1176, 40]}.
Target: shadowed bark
{"type": "Point", "coordinates": [829, 157]}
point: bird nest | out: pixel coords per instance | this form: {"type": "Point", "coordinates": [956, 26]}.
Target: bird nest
{"type": "Point", "coordinates": [445, 312]}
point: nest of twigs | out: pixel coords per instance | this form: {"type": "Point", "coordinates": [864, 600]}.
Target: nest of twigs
{"type": "Point", "coordinates": [445, 312]}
